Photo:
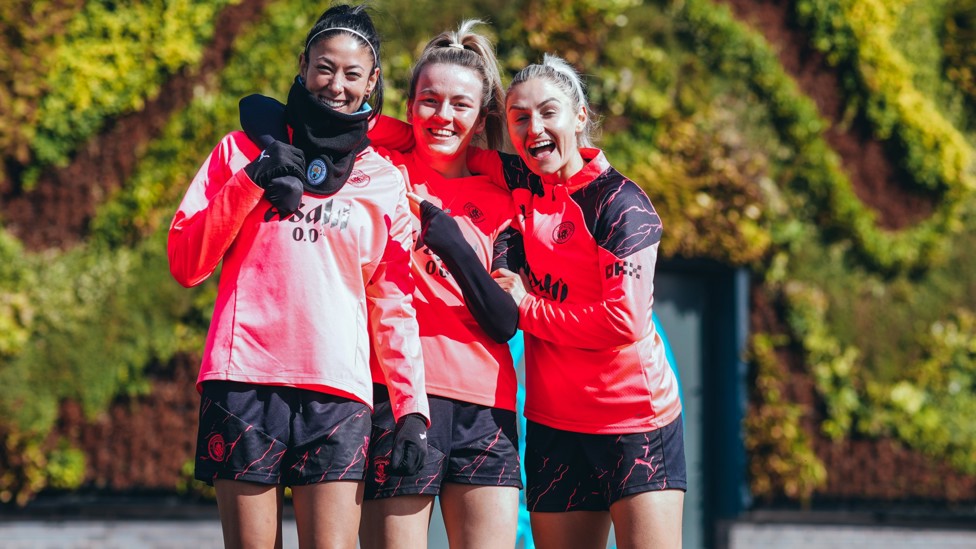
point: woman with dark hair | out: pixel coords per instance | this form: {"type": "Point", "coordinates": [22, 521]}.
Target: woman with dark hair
{"type": "Point", "coordinates": [314, 237]}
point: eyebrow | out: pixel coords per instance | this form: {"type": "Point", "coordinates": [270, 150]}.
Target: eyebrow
{"type": "Point", "coordinates": [541, 104]}
{"type": "Point", "coordinates": [431, 91]}
{"type": "Point", "coordinates": [325, 59]}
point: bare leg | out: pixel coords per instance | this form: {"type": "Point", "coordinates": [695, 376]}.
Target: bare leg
{"type": "Point", "coordinates": [648, 520]}
{"type": "Point", "coordinates": [480, 516]}
{"type": "Point", "coordinates": [250, 514]}
{"type": "Point", "coordinates": [396, 523]}
{"type": "Point", "coordinates": [572, 530]}
{"type": "Point", "coordinates": [327, 514]}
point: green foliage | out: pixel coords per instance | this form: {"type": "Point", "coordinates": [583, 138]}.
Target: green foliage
{"type": "Point", "coordinates": [857, 37]}
{"type": "Point", "coordinates": [93, 327]}
{"type": "Point", "coordinates": [22, 463]}
{"type": "Point", "coordinates": [697, 109]}
{"type": "Point", "coordinates": [931, 409]}
{"type": "Point", "coordinates": [704, 175]}
{"type": "Point", "coordinates": [783, 461]}
{"type": "Point", "coordinates": [813, 169]}
{"type": "Point", "coordinates": [831, 363]}
{"type": "Point", "coordinates": [111, 59]}
{"type": "Point", "coordinates": [959, 46]}
{"type": "Point", "coordinates": [845, 282]}
{"type": "Point", "coordinates": [29, 30]}
{"type": "Point", "coordinates": [65, 467]}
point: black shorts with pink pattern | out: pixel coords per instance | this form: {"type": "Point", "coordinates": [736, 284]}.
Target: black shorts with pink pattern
{"type": "Point", "coordinates": [466, 444]}
{"type": "Point", "coordinates": [279, 435]}
{"type": "Point", "coordinates": [567, 471]}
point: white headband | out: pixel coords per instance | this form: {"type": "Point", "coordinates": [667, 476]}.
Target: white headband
{"type": "Point", "coordinates": [376, 58]}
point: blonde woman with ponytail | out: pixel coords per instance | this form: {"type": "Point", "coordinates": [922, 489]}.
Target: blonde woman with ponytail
{"type": "Point", "coordinates": [455, 100]}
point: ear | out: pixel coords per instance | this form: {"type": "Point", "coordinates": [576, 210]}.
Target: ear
{"type": "Point", "coordinates": [409, 111]}
{"type": "Point", "coordinates": [302, 65]}
{"type": "Point", "coordinates": [374, 77]}
{"type": "Point", "coordinates": [480, 126]}
{"type": "Point", "coordinates": [581, 118]}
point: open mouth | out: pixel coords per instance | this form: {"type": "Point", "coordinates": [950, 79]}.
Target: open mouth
{"type": "Point", "coordinates": [542, 149]}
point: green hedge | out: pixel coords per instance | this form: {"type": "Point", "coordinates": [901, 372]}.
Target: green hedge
{"type": "Point", "coordinates": [113, 58]}
{"type": "Point", "coordinates": [857, 38]}
{"type": "Point", "coordinates": [698, 111]}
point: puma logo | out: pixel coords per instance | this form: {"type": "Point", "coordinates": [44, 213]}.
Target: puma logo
{"type": "Point", "coordinates": [423, 436]}
{"type": "Point", "coordinates": [264, 154]}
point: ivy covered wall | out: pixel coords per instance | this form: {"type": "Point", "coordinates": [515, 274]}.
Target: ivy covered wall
{"type": "Point", "coordinates": [824, 145]}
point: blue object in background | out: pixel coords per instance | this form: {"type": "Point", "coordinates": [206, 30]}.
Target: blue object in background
{"type": "Point", "coordinates": [517, 345]}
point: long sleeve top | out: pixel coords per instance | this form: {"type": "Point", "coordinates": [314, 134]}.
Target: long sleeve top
{"type": "Point", "coordinates": [594, 360]}
{"type": "Point", "coordinates": [296, 295]}
{"type": "Point", "coordinates": [463, 361]}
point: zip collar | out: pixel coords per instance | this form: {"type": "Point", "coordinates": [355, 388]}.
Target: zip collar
{"type": "Point", "coordinates": [595, 163]}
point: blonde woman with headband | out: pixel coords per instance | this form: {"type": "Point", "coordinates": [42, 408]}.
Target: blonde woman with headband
{"type": "Point", "coordinates": [455, 99]}
{"type": "Point", "coordinates": [314, 236]}
{"type": "Point", "coordinates": [604, 438]}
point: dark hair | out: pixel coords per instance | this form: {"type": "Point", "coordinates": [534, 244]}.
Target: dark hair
{"type": "Point", "coordinates": [465, 48]}
{"type": "Point", "coordinates": [562, 75]}
{"type": "Point", "coordinates": [356, 22]}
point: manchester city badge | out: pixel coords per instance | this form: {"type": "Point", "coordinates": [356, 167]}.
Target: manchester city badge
{"type": "Point", "coordinates": [317, 171]}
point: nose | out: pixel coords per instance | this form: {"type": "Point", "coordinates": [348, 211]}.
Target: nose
{"type": "Point", "coordinates": [336, 84]}
{"type": "Point", "coordinates": [443, 111]}
{"type": "Point", "coordinates": [535, 125]}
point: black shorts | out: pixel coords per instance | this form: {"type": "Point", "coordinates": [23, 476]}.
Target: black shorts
{"type": "Point", "coordinates": [279, 435]}
{"type": "Point", "coordinates": [568, 471]}
{"type": "Point", "coordinates": [466, 444]}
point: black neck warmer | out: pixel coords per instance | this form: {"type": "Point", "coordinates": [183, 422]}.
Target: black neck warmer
{"type": "Point", "coordinates": [330, 139]}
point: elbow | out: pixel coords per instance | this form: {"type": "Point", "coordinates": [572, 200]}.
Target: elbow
{"type": "Point", "coordinates": [183, 275]}
{"type": "Point", "coordinates": [183, 278]}
{"type": "Point", "coordinates": [502, 333]}
{"type": "Point", "coordinates": [501, 325]}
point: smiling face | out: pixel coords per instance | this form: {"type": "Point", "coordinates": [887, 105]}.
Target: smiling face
{"type": "Point", "coordinates": [339, 72]}
{"type": "Point", "coordinates": [446, 114]}
{"type": "Point", "coordinates": [543, 124]}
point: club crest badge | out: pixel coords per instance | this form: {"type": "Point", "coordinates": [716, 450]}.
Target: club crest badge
{"type": "Point", "coordinates": [358, 179]}
{"type": "Point", "coordinates": [317, 171]}
{"type": "Point", "coordinates": [563, 232]}
{"type": "Point", "coordinates": [474, 212]}
{"type": "Point", "coordinates": [215, 447]}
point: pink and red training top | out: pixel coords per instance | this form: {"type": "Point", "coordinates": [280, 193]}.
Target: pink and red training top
{"type": "Point", "coordinates": [462, 361]}
{"type": "Point", "coordinates": [296, 295]}
{"type": "Point", "coordinates": [594, 360]}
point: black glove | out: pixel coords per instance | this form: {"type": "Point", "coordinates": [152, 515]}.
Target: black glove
{"type": "Point", "coordinates": [280, 171]}
{"type": "Point", "coordinates": [409, 445]}
{"type": "Point", "coordinates": [439, 231]}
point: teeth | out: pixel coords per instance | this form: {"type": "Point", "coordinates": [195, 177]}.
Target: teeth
{"type": "Point", "coordinates": [442, 133]}
{"type": "Point", "coordinates": [541, 144]}
{"type": "Point", "coordinates": [332, 103]}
